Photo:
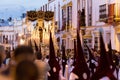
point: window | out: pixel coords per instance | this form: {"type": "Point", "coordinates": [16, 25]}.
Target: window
{"type": "Point", "coordinates": [89, 12]}
{"type": "Point", "coordinates": [46, 7]}
{"type": "Point", "coordinates": [103, 12]}
{"type": "Point", "coordinates": [63, 19]}
{"type": "Point", "coordinates": [69, 16]}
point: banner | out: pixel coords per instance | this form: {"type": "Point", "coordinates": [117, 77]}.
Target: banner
{"type": "Point", "coordinates": [40, 14]}
{"type": "Point", "coordinates": [49, 15]}
{"type": "Point", "coordinates": [34, 15]}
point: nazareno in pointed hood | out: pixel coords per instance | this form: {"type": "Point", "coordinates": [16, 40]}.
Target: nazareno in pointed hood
{"type": "Point", "coordinates": [111, 64]}
{"type": "Point", "coordinates": [91, 57]}
{"type": "Point", "coordinates": [81, 69]}
{"type": "Point", "coordinates": [103, 68]}
{"type": "Point", "coordinates": [75, 53]}
{"type": "Point", "coordinates": [64, 59]}
{"type": "Point", "coordinates": [54, 64]}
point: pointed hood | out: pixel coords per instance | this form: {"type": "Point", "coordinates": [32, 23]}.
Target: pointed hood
{"type": "Point", "coordinates": [36, 47]}
{"type": "Point", "coordinates": [51, 47]}
{"type": "Point", "coordinates": [63, 54]}
{"type": "Point", "coordinates": [91, 57]}
{"type": "Point", "coordinates": [81, 68]}
{"type": "Point", "coordinates": [103, 63]}
{"type": "Point", "coordinates": [54, 64]}
{"type": "Point", "coordinates": [75, 53]}
{"type": "Point", "coordinates": [92, 65]}
{"type": "Point", "coordinates": [64, 59]}
{"type": "Point", "coordinates": [112, 65]}
{"type": "Point", "coordinates": [103, 68]}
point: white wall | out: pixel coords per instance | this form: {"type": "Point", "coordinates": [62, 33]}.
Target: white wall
{"type": "Point", "coordinates": [95, 11]}
{"type": "Point", "coordinates": [74, 13]}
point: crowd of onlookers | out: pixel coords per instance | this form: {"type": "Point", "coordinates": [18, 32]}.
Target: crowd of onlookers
{"type": "Point", "coordinates": [22, 64]}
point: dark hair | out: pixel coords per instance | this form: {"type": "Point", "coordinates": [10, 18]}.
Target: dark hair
{"type": "Point", "coordinates": [38, 55]}
{"type": "Point", "coordinates": [23, 50]}
{"type": "Point", "coordinates": [26, 70]}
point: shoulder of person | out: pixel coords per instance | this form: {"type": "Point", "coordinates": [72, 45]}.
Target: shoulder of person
{"type": "Point", "coordinates": [4, 78]}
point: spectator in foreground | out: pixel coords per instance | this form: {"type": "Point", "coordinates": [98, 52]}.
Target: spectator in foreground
{"type": "Point", "coordinates": [43, 67]}
{"type": "Point", "coordinates": [24, 53]}
{"type": "Point", "coordinates": [2, 59]}
{"type": "Point", "coordinates": [21, 53]}
{"type": "Point", "coordinates": [26, 70]}
{"type": "Point", "coordinates": [2, 65]}
{"type": "Point", "coordinates": [2, 53]}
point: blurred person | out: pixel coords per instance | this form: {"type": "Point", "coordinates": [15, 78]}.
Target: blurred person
{"type": "Point", "coordinates": [24, 53]}
{"type": "Point", "coordinates": [26, 70]}
{"type": "Point", "coordinates": [43, 67]}
{"type": "Point", "coordinates": [2, 68]}
{"type": "Point", "coordinates": [8, 57]}
{"type": "Point", "coordinates": [2, 53]}
{"type": "Point", "coordinates": [2, 59]}
{"type": "Point", "coordinates": [21, 53]}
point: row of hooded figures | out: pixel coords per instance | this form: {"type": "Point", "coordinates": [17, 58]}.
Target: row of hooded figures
{"type": "Point", "coordinates": [102, 65]}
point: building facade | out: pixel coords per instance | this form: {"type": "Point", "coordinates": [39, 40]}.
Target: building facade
{"type": "Point", "coordinates": [91, 16]}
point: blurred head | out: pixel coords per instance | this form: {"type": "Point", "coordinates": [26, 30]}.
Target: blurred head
{"type": "Point", "coordinates": [2, 52]}
{"type": "Point", "coordinates": [23, 53]}
{"type": "Point", "coordinates": [38, 55]}
{"type": "Point", "coordinates": [26, 70]}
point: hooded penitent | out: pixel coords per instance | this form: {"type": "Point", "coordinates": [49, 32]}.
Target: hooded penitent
{"type": "Point", "coordinates": [64, 60]}
{"type": "Point", "coordinates": [92, 65]}
{"type": "Point", "coordinates": [103, 68]}
{"type": "Point", "coordinates": [81, 68]}
{"type": "Point", "coordinates": [75, 56]}
{"type": "Point", "coordinates": [112, 65]}
{"type": "Point", "coordinates": [110, 58]}
{"type": "Point", "coordinates": [54, 64]}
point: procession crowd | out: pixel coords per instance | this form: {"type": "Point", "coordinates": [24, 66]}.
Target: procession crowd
{"type": "Point", "coordinates": [24, 63]}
